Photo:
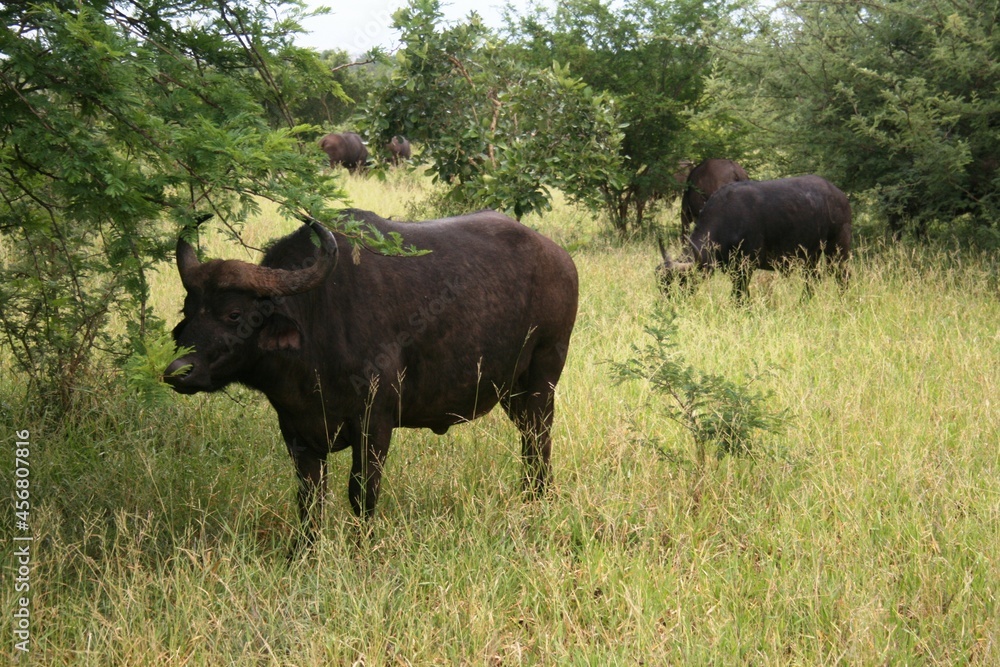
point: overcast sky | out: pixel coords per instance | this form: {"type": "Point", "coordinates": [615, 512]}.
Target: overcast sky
{"type": "Point", "coordinates": [357, 25]}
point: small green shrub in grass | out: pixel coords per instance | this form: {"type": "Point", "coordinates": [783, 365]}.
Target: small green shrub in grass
{"type": "Point", "coordinates": [720, 414]}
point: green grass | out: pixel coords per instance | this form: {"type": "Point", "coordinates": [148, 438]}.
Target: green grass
{"type": "Point", "coordinates": [867, 533]}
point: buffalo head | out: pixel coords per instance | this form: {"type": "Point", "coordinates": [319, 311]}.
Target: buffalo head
{"type": "Point", "coordinates": [671, 272]}
{"type": "Point", "coordinates": [232, 313]}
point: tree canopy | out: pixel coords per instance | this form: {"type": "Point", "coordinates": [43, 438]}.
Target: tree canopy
{"type": "Point", "coordinates": [652, 57]}
{"type": "Point", "coordinates": [497, 132]}
{"type": "Point", "coordinates": [116, 116]}
{"type": "Point", "coordinates": [896, 102]}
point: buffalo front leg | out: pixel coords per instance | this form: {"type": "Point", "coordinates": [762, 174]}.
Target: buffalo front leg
{"type": "Point", "coordinates": [310, 469]}
{"type": "Point", "coordinates": [812, 276]}
{"type": "Point", "coordinates": [368, 454]}
{"type": "Point", "coordinates": [311, 472]}
{"type": "Point", "coordinates": [741, 284]}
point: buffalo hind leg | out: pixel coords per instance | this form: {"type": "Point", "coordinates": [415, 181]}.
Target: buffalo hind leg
{"type": "Point", "coordinates": [532, 413]}
{"type": "Point", "coordinates": [812, 276]}
{"type": "Point", "coordinates": [841, 255]}
{"type": "Point", "coordinates": [531, 406]}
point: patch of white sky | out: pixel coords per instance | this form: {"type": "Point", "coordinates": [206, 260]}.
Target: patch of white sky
{"type": "Point", "coordinates": [356, 26]}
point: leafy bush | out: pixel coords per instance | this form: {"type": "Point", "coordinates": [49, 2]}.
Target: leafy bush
{"type": "Point", "coordinates": [896, 101]}
{"type": "Point", "coordinates": [719, 413]}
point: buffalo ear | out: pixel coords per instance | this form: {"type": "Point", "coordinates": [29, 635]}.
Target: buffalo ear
{"type": "Point", "coordinates": [280, 333]}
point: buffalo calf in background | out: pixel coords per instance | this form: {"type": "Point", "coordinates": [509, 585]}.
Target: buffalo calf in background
{"type": "Point", "coordinates": [399, 150]}
{"type": "Point", "coordinates": [702, 182]}
{"type": "Point", "coordinates": [345, 149]}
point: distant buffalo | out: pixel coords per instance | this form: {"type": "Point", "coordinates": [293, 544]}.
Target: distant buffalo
{"type": "Point", "coordinates": [674, 184]}
{"type": "Point", "coordinates": [346, 149]}
{"type": "Point", "coordinates": [703, 180]}
{"type": "Point", "coordinates": [751, 225]}
{"type": "Point", "coordinates": [399, 150]}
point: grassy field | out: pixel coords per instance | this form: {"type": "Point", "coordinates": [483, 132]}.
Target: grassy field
{"type": "Point", "coordinates": [867, 533]}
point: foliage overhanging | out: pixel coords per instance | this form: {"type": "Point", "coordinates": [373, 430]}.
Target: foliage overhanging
{"type": "Point", "coordinates": [115, 116]}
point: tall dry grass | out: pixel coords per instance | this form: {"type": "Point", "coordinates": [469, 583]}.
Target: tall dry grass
{"type": "Point", "coordinates": [867, 533]}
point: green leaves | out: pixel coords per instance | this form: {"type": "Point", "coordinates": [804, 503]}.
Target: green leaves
{"type": "Point", "coordinates": [891, 101]}
{"type": "Point", "coordinates": [496, 132]}
{"type": "Point", "coordinates": [144, 369]}
{"type": "Point", "coordinates": [114, 116]}
{"type": "Point", "coordinates": [720, 414]}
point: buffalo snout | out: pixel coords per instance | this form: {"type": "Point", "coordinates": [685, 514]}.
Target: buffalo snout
{"type": "Point", "coordinates": [186, 376]}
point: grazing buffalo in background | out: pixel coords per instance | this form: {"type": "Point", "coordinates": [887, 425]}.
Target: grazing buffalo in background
{"type": "Point", "coordinates": [675, 182]}
{"type": "Point", "coordinates": [661, 183]}
{"type": "Point", "coordinates": [347, 351]}
{"type": "Point", "coordinates": [680, 176]}
{"type": "Point", "coordinates": [345, 149]}
{"type": "Point", "coordinates": [703, 180]}
{"type": "Point", "coordinates": [767, 225]}
{"type": "Point", "coordinates": [399, 150]}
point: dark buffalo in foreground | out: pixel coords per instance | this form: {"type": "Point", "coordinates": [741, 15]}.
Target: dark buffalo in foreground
{"type": "Point", "coordinates": [347, 351]}
{"type": "Point", "coordinates": [704, 180]}
{"type": "Point", "coordinates": [399, 150]}
{"type": "Point", "coordinates": [345, 149]}
{"type": "Point", "coordinates": [769, 225]}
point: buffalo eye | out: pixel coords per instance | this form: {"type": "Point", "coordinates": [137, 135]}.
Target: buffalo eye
{"type": "Point", "coordinates": [234, 316]}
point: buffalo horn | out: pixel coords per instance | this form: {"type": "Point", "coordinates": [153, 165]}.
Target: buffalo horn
{"type": "Point", "coordinates": [663, 251]}
{"type": "Point", "coordinates": [670, 265]}
{"type": "Point", "coordinates": [265, 281]}
{"type": "Point", "coordinates": [187, 257]}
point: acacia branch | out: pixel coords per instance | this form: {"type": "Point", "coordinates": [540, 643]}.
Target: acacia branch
{"type": "Point", "coordinates": [257, 60]}
{"type": "Point", "coordinates": [358, 63]}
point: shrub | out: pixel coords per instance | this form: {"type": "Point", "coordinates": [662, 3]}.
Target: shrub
{"type": "Point", "coordinates": [719, 413]}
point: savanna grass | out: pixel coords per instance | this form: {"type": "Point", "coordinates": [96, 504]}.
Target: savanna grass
{"type": "Point", "coordinates": [866, 534]}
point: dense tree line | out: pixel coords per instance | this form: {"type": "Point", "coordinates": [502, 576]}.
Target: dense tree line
{"type": "Point", "coordinates": [897, 102]}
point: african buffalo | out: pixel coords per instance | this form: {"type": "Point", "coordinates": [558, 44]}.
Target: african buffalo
{"type": "Point", "coordinates": [751, 225]}
{"type": "Point", "coordinates": [399, 150]}
{"type": "Point", "coordinates": [679, 178]}
{"type": "Point", "coordinates": [345, 149]}
{"type": "Point", "coordinates": [703, 180]}
{"type": "Point", "coordinates": [347, 351]}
